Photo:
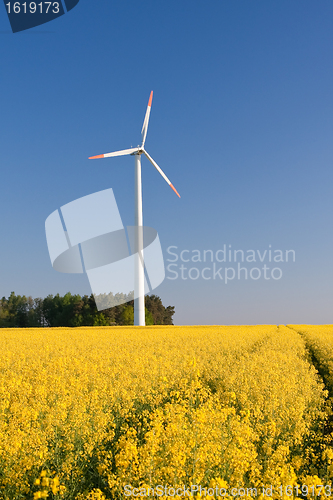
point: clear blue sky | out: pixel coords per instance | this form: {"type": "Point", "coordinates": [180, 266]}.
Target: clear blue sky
{"type": "Point", "coordinates": [241, 123]}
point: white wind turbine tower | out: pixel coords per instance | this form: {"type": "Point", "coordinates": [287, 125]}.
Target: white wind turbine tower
{"type": "Point", "coordinates": [139, 301]}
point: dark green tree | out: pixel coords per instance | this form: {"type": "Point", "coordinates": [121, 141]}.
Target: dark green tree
{"type": "Point", "coordinates": [74, 310]}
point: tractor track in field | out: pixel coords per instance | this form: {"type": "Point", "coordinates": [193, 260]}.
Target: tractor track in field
{"type": "Point", "coordinates": [323, 372]}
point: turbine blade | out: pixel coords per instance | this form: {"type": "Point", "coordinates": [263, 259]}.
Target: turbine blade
{"type": "Point", "coordinates": [146, 120]}
{"type": "Point", "coordinates": [116, 153]}
{"type": "Point", "coordinates": [161, 172]}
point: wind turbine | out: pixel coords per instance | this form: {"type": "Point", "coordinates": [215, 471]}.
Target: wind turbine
{"type": "Point", "coordinates": [139, 301]}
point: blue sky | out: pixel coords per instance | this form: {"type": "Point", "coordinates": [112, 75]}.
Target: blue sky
{"type": "Point", "coordinates": [241, 123]}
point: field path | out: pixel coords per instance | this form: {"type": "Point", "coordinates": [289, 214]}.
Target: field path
{"type": "Point", "coordinates": [319, 343]}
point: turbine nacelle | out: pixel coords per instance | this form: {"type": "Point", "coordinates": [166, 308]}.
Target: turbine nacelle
{"type": "Point", "coordinates": [138, 152]}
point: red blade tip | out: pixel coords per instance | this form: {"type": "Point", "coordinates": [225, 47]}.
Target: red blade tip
{"type": "Point", "coordinates": [94, 157]}
{"type": "Point", "coordinates": [150, 98]}
{"type": "Point", "coordinates": [175, 190]}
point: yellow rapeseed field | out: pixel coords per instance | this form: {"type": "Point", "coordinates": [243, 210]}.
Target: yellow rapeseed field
{"type": "Point", "coordinates": [92, 413]}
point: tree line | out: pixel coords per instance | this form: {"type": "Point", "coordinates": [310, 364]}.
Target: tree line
{"type": "Point", "coordinates": [73, 311]}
